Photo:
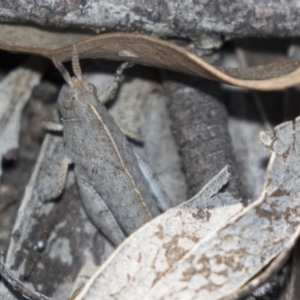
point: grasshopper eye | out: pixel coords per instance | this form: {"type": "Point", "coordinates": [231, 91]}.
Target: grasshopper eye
{"type": "Point", "coordinates": [92, 89]}
{"type": "Point", "coordinates": [69, 102]}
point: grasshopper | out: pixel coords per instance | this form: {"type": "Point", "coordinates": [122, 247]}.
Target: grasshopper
{"type": "Point", "coordinates": [113, 181]}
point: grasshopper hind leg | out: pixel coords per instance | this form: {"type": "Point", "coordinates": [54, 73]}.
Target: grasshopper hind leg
{"type": "Point", "coordinates": [99, 213]}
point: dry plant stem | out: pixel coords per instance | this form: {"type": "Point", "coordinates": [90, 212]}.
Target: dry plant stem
{"type": "Point", "coordinates": [255, 95]}
{"type": "Point", "coordinates": [19, 286]}
{"type": "Point", "coordinates": [272, 287]}
{"type": "Point", "coordinates": [201, 130]}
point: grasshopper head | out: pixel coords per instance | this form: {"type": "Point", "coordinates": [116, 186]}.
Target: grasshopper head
{"type": "Point", "coordinates": [76, 94]}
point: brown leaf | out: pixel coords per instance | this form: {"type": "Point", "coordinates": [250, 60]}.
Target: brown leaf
{"type": "Point", "coordinates": [36, 40]}
{"type": "Point", "coordinates": [146, 50]}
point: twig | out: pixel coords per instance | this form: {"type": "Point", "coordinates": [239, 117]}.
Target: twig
{"type": "Point", "coordinates": [18, 286]}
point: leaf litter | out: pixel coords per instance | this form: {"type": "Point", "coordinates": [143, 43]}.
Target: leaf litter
{"type": "Point", "coordinates": [223, 262]}
{"type": "Point", "coordinates": [283, 243]}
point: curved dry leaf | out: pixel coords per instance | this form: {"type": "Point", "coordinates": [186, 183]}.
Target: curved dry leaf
{"type": "Point", "coordinates": [146, 50]}
{"type": "Point", "coordinates": [225, 263]}
{"type": "Point", "coordinates": [263, 277]}
{"type": "Point", "coordinates": [146, 256]}
{"type": "Point", "coordinates": [23, 36]}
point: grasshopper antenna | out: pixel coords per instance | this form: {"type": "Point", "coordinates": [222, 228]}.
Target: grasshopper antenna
{"type": "Point", "coordinates": [63, 71]}
{"type": "Point", "coordinates": [75, 63]}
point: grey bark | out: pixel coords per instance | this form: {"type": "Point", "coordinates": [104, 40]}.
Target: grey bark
{"type": "Point", "coordinates": [200, 126]}
{"type": "Point", "coordinates": [207, 22]}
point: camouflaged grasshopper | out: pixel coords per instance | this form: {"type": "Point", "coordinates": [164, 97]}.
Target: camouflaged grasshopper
{"type": "Point", "coordinates": [114, 182]}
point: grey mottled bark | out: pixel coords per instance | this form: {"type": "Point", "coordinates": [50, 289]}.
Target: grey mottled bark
{"type": "Point", "coordinates": [208, 22]}
{"type": "Point", "coordinates": [200, 127]}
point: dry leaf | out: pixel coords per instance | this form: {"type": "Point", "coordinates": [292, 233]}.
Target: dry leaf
{"type": "Point", "coordinates": [32, 37]}
{"type": "Point", "coordinates": [15, 90]}
{"type": "Point", "coordinates": [225, 263]}
{"type": "Point", "coordinates": [158, 53]}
